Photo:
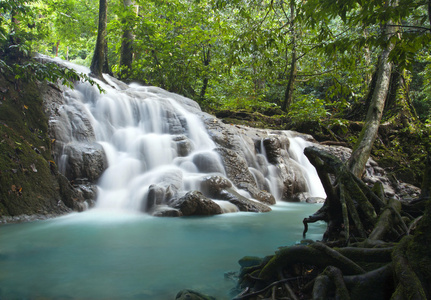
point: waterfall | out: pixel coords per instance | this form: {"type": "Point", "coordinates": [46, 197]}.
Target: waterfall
{"type": "Point", "coordinates": [156, 146]}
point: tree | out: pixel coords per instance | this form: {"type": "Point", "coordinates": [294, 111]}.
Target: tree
{"type": "Point", "coordinates": [99, 57]}
{"type": "Point", "coordinates": [126, 54]}
{"type": "Point", "coordinates": [293, 64]}
{"type": "Point", "coordinates": [361, 151]}
{"type": "Point", "coordinates": [60, 17]}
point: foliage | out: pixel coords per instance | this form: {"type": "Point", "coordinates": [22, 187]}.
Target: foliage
{"type": "Point", "coordinates": [308, 109]}
{"type": "Point", "coordinates": [19, 26]}
{"type": "Point", "coordinates": [237, 54]}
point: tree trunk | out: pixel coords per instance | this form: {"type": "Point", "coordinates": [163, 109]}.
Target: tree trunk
{"type": "Point", "coordinates": [98, 60]}
{"type": "Point", "coordinates": [126, 55]}
{"type": "Point", "coordinates": [361, 151]}
{"type": "Point", "coordinates": [56, 48]}
{"type": "Point", "coordinates": [206, 60]}
{"type": "Point", "coordinates": [288, 95]}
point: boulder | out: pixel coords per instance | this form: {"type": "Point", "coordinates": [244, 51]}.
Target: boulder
{"type": "Point", "coordinates": [184, 146]}
{"type": "Point", "coordinates": [272, 147]}
{"type": "Point", "coordinates": [293, 180]}
{"type": "Point", "coordinates": [211, 186]}
{"type": "Point", "coordinates": [165, 191]}
{"type": "Point", "coordinates": [243, 203]}
{"type": "Point", "coordinates": [166, 211]}
{"type": "Point", "coordinates": [250, 261]}
{"type": "Point", "coordinates": [208, 162]}
{"type": "Point", "coordinates": [236, 166]}
{"type": "Point", "coordinates": [84, 160]}
{"type": "Point", "coordinates": [195, 203]}
{"type": "Point", "coordinates": [192, 295]}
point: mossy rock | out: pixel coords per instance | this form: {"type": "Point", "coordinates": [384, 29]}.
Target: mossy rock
{"type": "Point", "coordinates": [192, 295]}
{"type": "Point", "coordinates": [250, 261]}
{"type": "Point", "coordinates": [28, 177]}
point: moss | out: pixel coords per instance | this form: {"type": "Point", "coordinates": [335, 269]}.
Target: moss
{"type": "Point", "coordinates": [418, 252]}
{"type": "Point", "coordinates": [27, 183]}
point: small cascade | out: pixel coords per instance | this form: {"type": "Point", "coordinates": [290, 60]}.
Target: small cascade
{"type": "Point", "coordinates": [296, 150]}
{"type": "Point", "coordinates": [146, 149]}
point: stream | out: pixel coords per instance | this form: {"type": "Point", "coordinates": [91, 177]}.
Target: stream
{"type": "Point", "coordinates": [109, 255]}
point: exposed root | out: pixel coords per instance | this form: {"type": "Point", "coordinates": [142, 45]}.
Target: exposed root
{"type": "Point", "coordinates": [376, 244]}
{"type": "Point", "coordinates": [409, 285]}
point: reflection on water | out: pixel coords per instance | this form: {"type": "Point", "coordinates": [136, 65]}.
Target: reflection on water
{"type": "Point", "coordinates": [104, 255]}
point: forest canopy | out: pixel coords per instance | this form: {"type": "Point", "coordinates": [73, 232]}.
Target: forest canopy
{"type": "Point", "coordinates": [313, 59]}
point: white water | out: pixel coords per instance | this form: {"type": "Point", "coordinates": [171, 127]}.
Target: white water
{"type": "Point", "coordinates": [132, 126]}
{"type": "Point", "coordinates": [296, 150]}
{"type": "Point", "coordinates": [139, 128]}
{"type": "Point", "coordinates": [114, 252]}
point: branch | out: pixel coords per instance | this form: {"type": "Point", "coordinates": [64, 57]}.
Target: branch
{"type": "Point", "coordinates": [409, 26]}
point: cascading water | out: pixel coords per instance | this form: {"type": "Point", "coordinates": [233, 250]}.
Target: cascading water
{"type": "Point", "coordinates": [141, 144]}
{"type": "Point", "coordinates": [157, 148]}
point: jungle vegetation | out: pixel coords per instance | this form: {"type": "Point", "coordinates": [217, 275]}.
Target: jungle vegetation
{"type": "Point", "coordinates": [356, 72]}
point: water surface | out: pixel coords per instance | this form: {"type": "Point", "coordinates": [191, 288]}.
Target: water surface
{"type": "Point", "coordinates": [112, 255]}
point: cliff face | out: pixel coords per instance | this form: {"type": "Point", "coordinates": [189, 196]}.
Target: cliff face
{"type": "Point", "coordinates": [30, 184]}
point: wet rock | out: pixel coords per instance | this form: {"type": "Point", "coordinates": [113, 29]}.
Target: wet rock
{"type": "Point", "coordinates": [192, 295]}
{"type": "Point", "coordinates": [236, 166]}
{"type": "Point", "coordinates": [293, 180]}
{"type": "Point", "coordinates": [243, 203]}
{"type": "Point", "coordinates": [165, 191]}
{"type": "Point", "coordinates": [184, 146]}
{"type": "Point", "coordinates": [211, 186]}
{"type": "Point", "coordinates": [84, 160]}
{"type": "Point", "coordinates": [173, 122]}
{"type": "Point", "coordinates": [273, 147]}
{"type": "Point", "coordinates": [195, 203]}
{"type": "Point", "coordinates": [260, 195]}
{"type": "Point", "coordinates": [259, 177]}
{"type": "Point", "coordinates": [208, 162]}
{"type": "Point", "coordinates": [250, 261]}
{"type": "Point", "coordinates": [166, 211]}
{"type": "Point", "coordinates": [300, 197]}
{"type": "Point", "coordinates": [313, 200]}
{"type": "Point", "coordinates": [156, 196]}
{"type": "Point", "coordinates": [262, 164]}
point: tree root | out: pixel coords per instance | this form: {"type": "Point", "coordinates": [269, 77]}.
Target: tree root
{"type": "Point", "coordinates": [409, 285]}
{"type": "Point", "coordinates": [328, 272]}
{"type": "Point", "coordinates": [375, 264]}
{"type": "Point", "coordinates": [352, 208]}
{"type": "Point", "coordinates": [376, 284]}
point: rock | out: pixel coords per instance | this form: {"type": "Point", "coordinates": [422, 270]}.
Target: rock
{"type": "Point", "coordinates": [165, 191]}
{"type": "Point", "coordinates": [192, 295]}
{"type": "Point", "coordinates": [313, 200]}
{"type": "Point", "coordinates": [216, 187]}
{"type": "Point", "coordinates": [211, 186]}
{"type": "Point", "coordinates": [236, 166]}
{"type": "Point", "coordinates": [184, 146]}
{"type": "Point", "coordinates": [195, 203]}
{"type": "Point", "coordinates": [166, 211]}
{"type": "Point", "coordinates": [300, 197]}
{"type": "Point", "coordinates": [250, 261]}
{"type": "Point", "coordinates": [156, 196]}
{"type": "Point", "coordinates": [208, 162]}
{"type": "Point", "coordinates": [293, 180]}
{"type": "Point", "coordinates": [273, 147]}
{"type": "Point", "coordinates": [243, 203]}
{"type": "Point", "coordinates": [257, 194]}
{"type": "Point", "coordinates": [260, 179]}
{"type": "Point", "coordinates": [84, 160]}
{"type": "Point", "coordinates": [172, 121]}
